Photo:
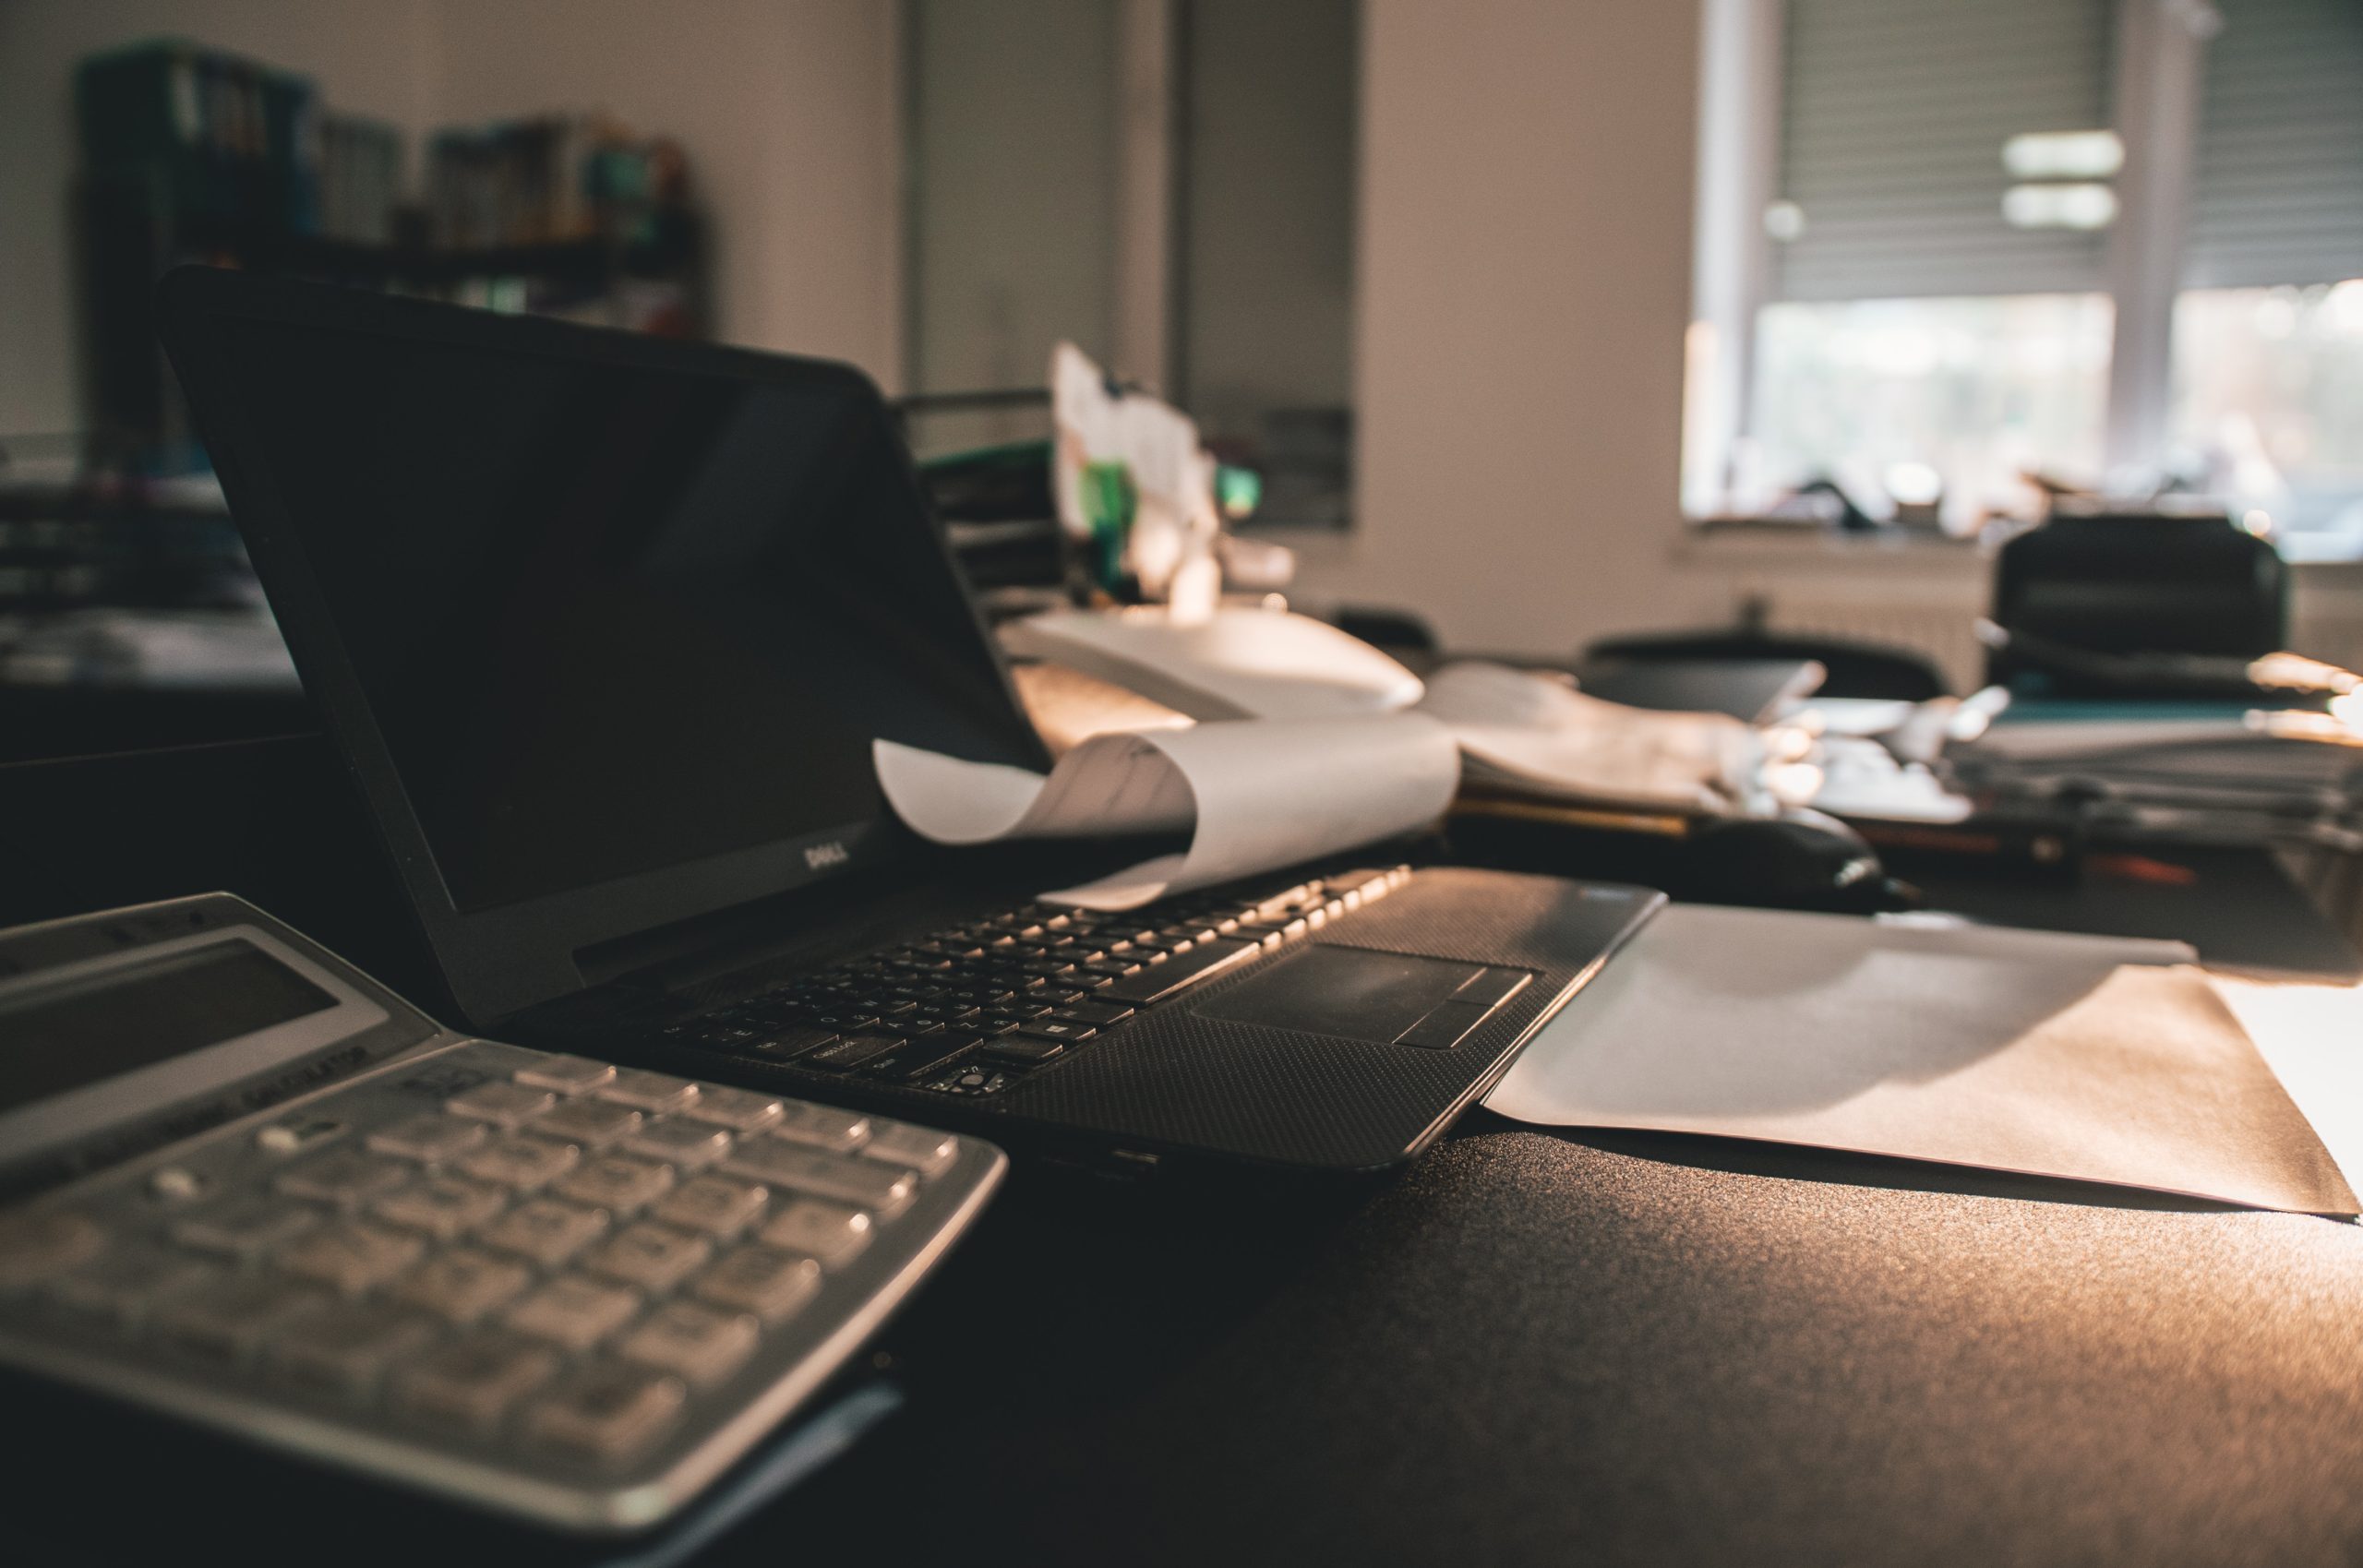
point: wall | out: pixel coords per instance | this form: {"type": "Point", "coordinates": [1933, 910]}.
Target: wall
{"type": "Point", "coordinates": [371, 56]}
{"type": "Point", "coordinates": [1525, 273]}
{"type": "Point", "coordinates": [787, 109]}
{"type": "Point", "coordinates": [1013, 190]}
{"type": "Point", "coordinates": [1268, 258]}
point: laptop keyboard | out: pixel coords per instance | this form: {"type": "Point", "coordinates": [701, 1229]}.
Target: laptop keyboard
{"type": "Point", "coordinates": [973, 1008]}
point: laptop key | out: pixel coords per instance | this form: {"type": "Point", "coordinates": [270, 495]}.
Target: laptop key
{"type": "Point", "coordinates": [917, 1058]}
{"type": "Point", "coordinates": [1024, 1047]}
{"type": "Point", "coordinates": [850, 1052]}
{"type": "Point", "coordinates": [1094, 1012]}
{"type": "Point", "coordinates": [796, 1040]}
{"type": "Point", "coordinates": [1203, 961]}
{"type": "Point", "coordinates": [1057, 1030]}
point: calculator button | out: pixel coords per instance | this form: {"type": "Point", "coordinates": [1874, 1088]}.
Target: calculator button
{"type": "Point", "coordinates": [872, 1186]}
{"type": "Point", "coordinates": [430, 1137]}
{"type": "Point", "coordinates": [473, 1383]}
{"type": "Point", "coordinates": [896, 1142]}
{"type": "Point", "coordinates": [444, 1206]}
{"type": "Point", "coordinates": [653, 1257]}
{"type": "Point", "coordinates": [589, 1122]}
{"type": "Point", "coordinates": [614, 1182]}
{"type": "Point", "coordinates": [607, 1413]}
{"type": "Point", "coordinates": [462, 1285]}
{"type": "Point", "coordinates": [823, 1126]}
{"type": "Point", "coordinates": [344, 1177]}
{"type": "Point", "coordinates": [574, 1312]}
{"type": "Point", "coordinates": [696, 1343]}
{"type": "Point", "coordinates": [294, 1137]}
{"type": "Point", "coordinates": [177, 1184]}
{"type": "Point", "coordinates": [246, 1227]}
{"type": "Point", "coordinates": [754, 1279]}
{"type": "Point", "coordinates": [546, 1230]}
{"type": "Point", "coordinates": [347, 1348]}
{"type": "Point", "coordinates": [741, 1111]}
{"type": "Point", "coordinates": [689, 1144]}
{"type": "Point", "coordinates": [35, 1246]}
{"type": "Point", "coordinates": [655, 1093]}
{"type": "Point", "coordinates": [227, 1319]}
{"type": "Point", "coordinates": [350, 1259]}
{"type": "Point", "coordinates": [713, 1205]}
{"type": "Point", "coordinates": [567, 1074]}
{"type": "Point", "coordinates": [526, 1163]}
{"type": "Point", "coordinates": [119, 1287]}
{"type": "Point", "coordinates": [501, 1102]}
{"type": "Point", "coordinates": [829, 1233]}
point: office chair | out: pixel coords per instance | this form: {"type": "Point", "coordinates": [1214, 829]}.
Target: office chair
{"type": "Point", "coordinates": [2119, 584]}
{"type": "Point", "coordinates": [1853, 669]}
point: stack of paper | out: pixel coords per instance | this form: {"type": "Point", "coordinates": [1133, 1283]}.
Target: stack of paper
{"type": "Point", "coordinates": [1272, 738]}
{"type": "Point", "coordinates": [2096, 1059]}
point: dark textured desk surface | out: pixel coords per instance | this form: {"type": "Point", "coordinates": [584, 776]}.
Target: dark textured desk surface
{"type": "Point", "coordinates": [1529, 1347]}
{"type": "Point", "coordinates": [1542, 1348]}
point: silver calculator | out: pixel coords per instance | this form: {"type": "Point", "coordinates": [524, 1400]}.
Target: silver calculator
{"type": "Point", "coordinates": [242, 1183]}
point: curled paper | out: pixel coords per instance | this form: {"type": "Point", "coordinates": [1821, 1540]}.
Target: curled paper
{"type": "Point", "coordinates": [1253, 796]}
{"type": "Point", "coordinates": [1540, 738]}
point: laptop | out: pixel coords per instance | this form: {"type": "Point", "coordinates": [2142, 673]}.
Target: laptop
{"type": "Point", "coordinates": [605, 626]}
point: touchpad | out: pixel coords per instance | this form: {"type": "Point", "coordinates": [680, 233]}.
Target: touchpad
{"type": "Point", "coordinates": [1349, 992]}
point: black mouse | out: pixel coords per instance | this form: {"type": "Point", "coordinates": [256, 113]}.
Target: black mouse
{"type": "Point", "coordinates": [1801, 859]}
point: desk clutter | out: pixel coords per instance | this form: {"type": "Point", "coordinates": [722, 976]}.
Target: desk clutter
{"type": "Point", "coordinates": [764, 902]}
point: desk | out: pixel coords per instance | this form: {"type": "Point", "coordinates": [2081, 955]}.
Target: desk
{"type": "Point", "coordinates": [1546, 1348]}
{"type": "Point", "coordinates": [1530, 1348]}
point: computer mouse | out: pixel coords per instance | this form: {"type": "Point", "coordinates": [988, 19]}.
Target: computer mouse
{"type": "Point", "coordinates": [1801, 859]}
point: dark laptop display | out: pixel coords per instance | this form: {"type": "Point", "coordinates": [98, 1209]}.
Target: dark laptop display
{"type": "Point", "coordinates": [605, 626]}
{"type": "Point", "coordinates": [613, 617]}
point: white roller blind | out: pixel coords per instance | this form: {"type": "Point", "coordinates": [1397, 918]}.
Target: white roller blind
{"type": "Point", "coordinates": [2278, 198]}
{"type": "Point", "coordinates": [1894, 114]}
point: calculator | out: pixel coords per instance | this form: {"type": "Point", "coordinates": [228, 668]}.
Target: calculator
{"type": "Point", "coordinates": [244, 1184]}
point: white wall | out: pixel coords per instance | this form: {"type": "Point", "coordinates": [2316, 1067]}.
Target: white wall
{"type": "Point", "coordinates": [788, 108]}
{"type": "Point", "coordinates": [1524, 286]}
{"type": "Point", "coordinates": [370, 56]}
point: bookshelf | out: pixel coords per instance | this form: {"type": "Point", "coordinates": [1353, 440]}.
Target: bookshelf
{"type": "Point", "coordinates": [191, 155]}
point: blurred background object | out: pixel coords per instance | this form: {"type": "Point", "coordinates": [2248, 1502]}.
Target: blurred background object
{"type": "Point", "coordinates": [1532, 326]}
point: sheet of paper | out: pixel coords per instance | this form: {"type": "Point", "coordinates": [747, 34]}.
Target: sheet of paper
{"type": "Point", "coordinates": [1239, 664]}
{"type": "Point", "coordinates": [1529, 734]}
{"type": "Point", "coordinates": [2094, 1058]}
{"type": "Point", "coordinates": [1253, 796]}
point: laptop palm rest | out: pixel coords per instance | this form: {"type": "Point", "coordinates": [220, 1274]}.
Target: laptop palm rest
{"type": "Point", "coordinates": [1357, 994]}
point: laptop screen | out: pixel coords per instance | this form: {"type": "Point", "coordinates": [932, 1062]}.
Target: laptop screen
{"type": "Point", "coordinates": [616, 615]}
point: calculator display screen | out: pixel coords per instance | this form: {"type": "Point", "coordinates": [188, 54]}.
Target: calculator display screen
{"type": "Point", "coordinates": [53, 1040]}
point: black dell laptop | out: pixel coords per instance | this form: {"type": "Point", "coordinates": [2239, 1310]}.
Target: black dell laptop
{"type": "Point", "coordinates": [605, 626]}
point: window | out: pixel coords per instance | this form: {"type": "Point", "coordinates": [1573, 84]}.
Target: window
{"type": "Point", "coordinates": [2268, 332]}
{"type": "Point", "coordinates": [1948, 244]}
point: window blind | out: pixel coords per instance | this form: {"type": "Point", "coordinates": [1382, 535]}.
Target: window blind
{"type": "Point", "coordinates": [2279, 193]}
{"type": "Point", "coordinates": [1893, 117]}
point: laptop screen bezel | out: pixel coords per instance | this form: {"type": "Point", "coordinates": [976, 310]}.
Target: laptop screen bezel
{"type": "Point", "coordinates": [498, 961]}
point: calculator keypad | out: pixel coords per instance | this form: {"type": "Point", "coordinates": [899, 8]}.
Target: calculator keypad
{"type": "Point", "coordinates": [565, 1263]}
